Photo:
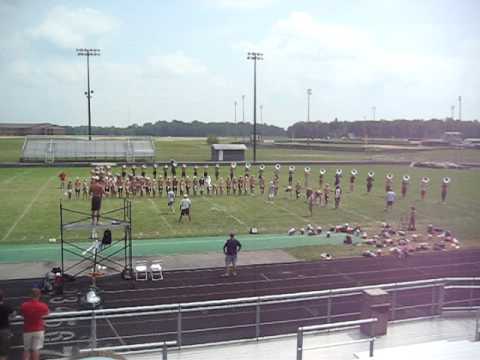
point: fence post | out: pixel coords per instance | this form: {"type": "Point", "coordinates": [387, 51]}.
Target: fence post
{"type": "Point", "coordinates": [329, 307]}
{"type": "Point", "coordinates": [433, 301]}
{"type": "Point", "coordinates": [257, 319]}
{"type": "Point", "coordinates": [372, 343]}
{"type": "Point", "coordinates": [299, 344]}
{"type": "Point", "coordinates": [93, 335]}
{"type": "Point", "coordinates": [477, 326]}
{"type": "Point", "coordinates": [164, 351]}
{"type": "Point", "coordinates": [179, 326]}
{"type": "Point", "coordinates": [441, 298]}
{"type": "Point", "coordinates": [394, 304]}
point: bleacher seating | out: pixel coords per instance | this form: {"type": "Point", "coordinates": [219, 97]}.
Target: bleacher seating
{"type": "Point", "coordinates": [52, 149]}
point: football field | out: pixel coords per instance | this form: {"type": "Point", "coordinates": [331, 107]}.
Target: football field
{"type": "Point", "coordinates": [31, 198]}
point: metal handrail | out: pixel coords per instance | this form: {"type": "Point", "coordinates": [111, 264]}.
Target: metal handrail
{"type": "Point", "coordinates": [250, 301]}
{"type": "Point", "coordinates": [336, 326]}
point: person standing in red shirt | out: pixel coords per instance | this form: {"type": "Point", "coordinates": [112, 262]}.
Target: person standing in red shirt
{"type": "Point", "coordinates": [33, 312]}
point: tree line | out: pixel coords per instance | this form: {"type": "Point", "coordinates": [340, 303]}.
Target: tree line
{"type": "Point", "coordinates": [176, 128]}
{"type": "Point", "coordinates": [403, 129]}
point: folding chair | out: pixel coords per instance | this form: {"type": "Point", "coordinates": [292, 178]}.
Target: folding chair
{"type": "Point", "coordinates": [156, 270]}
{"type": "Point", "coordinates": [141, 271]}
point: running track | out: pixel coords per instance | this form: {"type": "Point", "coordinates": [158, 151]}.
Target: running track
{"type": "Point", "coordinates": [207, 284]}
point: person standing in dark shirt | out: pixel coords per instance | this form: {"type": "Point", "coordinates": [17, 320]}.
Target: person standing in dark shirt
{"type": "Point", "coordinates": [230, 249]}
{"type": "Point", "coordinates": [5, 313]}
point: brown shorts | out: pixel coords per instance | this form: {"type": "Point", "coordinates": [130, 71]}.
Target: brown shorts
{"type": "Point", "coordinates": [96, 203]}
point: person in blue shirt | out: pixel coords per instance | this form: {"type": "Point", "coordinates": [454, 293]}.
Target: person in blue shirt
{"type": "Point", "coordinates": [230, 249]}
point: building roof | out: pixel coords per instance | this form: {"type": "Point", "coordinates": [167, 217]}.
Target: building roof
{"type": "Point", "coordinates": [27, 125]}
{"type": "Point", "coordinates": [229, 147]}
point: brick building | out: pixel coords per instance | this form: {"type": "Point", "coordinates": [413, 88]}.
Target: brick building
{"type": "Point", "coordinates": [19, 129]}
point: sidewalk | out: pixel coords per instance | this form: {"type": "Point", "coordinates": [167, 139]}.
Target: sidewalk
{"type": "Point", "coordinates": [25, 270]}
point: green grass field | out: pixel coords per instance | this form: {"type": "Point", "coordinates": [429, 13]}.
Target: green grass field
{"type": "Point", "coordinates": [30, 211]}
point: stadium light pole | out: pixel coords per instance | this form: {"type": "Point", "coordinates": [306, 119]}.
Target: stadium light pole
{"type": "Point", "coordinates": [235, 118]}
{"type": "Point", "coordinates": [452, 112]}
{"type": "Point", "coordinates": [255, 56]}
{"type": "Point", "coordinates": [261, 115]}
{"type": "Point", "coordinates": [88, 93]}
{"type": "Point", "coordinates": [374, 110]}
{"type": "Point", "coordinates": [309, 93]}
{"type": "Point", "coordinates": [460, 108]}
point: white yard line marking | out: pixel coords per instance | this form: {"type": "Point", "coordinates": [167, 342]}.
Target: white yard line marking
{"type": "Point", "coordinates": [237, 220]}
{"type": "Point", "coordinates": [117, 335]}
{"type": "Point", "coordinates": [225, 211]}
{"type": "Point", "coordinates": [11, 178]}
{"type": "Point", "coordinates": [27, 209]}
{"type": "Point", "coordinates": [161, 216]}
{"type": "Point", "coordinates": [286, 210]}
{"type": "Point", "coordinates": [264, 276]}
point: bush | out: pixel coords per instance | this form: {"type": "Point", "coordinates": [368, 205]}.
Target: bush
{"type": "Point", "coordinates": [212, 139]}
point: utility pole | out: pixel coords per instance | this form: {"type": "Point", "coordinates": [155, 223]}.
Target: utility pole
{"type": "Point", "coordinates": [261, 116]}
{"type": "Point", "coordinates": [460, 108]}
{"type": "Point", "coordinates": [243, 108]}
{"type": "Point", "coordinates": [88, 93]}
{"type": "Point", "coordinates": [309, 93]}
{"type": "Point", "coordinates": [255, 56]}
{"type": "Point", "coordinates": [235, 119]}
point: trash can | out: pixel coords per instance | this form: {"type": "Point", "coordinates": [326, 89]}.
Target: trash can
{"type": "Point", "coordinates": [375, 304]}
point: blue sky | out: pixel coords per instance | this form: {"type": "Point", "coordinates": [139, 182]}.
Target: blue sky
{"type": "Point", "coordinates": [186, 60]}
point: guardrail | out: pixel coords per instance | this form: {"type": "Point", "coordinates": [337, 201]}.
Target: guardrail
{"type": "Point", "coordinates": [258, 309]}
{"type": "Point", "coordinates": [301, 331]}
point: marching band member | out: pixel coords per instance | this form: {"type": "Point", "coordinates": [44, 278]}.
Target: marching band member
{"type": "Point", "coordinates": [444, 188]}
{"type": "Point", "coordinates": [261, 184]}
{"type": "Point", "coordinates": [326, 195]}
{"type": "Point", "coordinates": [195, 183]}
{"type": "Point", "coordinates": [370, 181]}
{"type": "Point", "coordinates": [320, 177]}
{"type": "Point", "coordinates": [411, 221]}
{"type": "Point", "coordinates": [160, 184]}
{"type": "Point", "coordinates": [188, 185]}
{"type": "Point", "coordinates": [388, 182]}
{"type": "Point", "coordinates": [338, 176]}
{"type": "Point", "coordinates": [298, 190]}
{"type": "Point", "coordinates": [205, 171]}
{"type": "Point", "coordinates": [165, 171]}
{"type": "Point", "coordinates": [173, 168]}
{"type": "Point", "coordinates": [134, 170]}
{"type": "Point", "coordinates": [353, 176]}
{"type": "Point", "coordinates": [338, 195]}
{"type": "Point", "coordinates": [291, 170]}
{"type": "Point", "coordinates": [261, 169]}
{"type": "Point", "coordinates": [144, 170]}
{"type": "Point", "coordinates": [217, 171]}
{"type": "Point", "coordinates": [155, 171]}
{"type": "Point", "coordinates": [233, 165]}
{"type": "Point", "coordinates": [124, 171]}
{"type": "Point", "coordinates": [78, 188]}
{"type": "Point", "coordinates": [306, 176]}
{"type": "Point", "coordinates": [195, 171]}
{"type": "Point", "coordinates": [423, 187]}
{"type": "Point", "coordinates": [175, 184]}
{"type": "Point", "coordinates": [405, 182]}
{"type": "Point", "coordinates": [228, 185]}
{"type": "Point", "coordinates": [247, 169]}
{"type": "Point", "coordinates": [252, 184]}
{"type": "Point", "coordinates": [184, 170]}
